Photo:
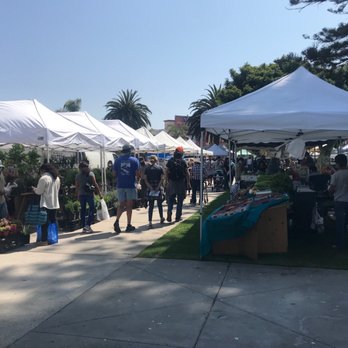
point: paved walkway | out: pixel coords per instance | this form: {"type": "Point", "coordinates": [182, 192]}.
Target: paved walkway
{"type": "Point", "coordinates": [91, 291]}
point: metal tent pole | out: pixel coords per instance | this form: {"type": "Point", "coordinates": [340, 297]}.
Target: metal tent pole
{"type": "Point", "coordinates": [201, 195]}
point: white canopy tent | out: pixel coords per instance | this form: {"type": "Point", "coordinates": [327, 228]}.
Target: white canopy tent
{"type": "Point", "coordinates": [195, 146]}
{"type": "Point", "coordinates": [139, 141]}
{"type": "Point", "coordinates": [145, 132]}
{"type": "Point", "coordinates": [112, 138]}
{"type": "Point", "coordinates": [297, 105]}
{"type": "Point", "coordinates": [188, 148]}
{"type": "Point", "coordinates": [28, 122]}
{"type": "Point", "coordinates": [170, 143]}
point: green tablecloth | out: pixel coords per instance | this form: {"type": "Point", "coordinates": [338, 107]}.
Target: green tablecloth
{"type": "Point", "coordinates": [234, 226]}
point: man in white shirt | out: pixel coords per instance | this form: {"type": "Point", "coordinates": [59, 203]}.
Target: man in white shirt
{"type": "Point", "coordinates": [339, 187]}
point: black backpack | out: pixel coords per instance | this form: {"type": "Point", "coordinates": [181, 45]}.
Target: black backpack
{"type": "Point", "coordinates": [177, 169]}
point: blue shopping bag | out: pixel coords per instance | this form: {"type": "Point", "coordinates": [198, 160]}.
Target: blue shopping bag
{"type": "Point", "coordinates": [52, 233]}
{"type": "Point", "coordinates": [38, 233]}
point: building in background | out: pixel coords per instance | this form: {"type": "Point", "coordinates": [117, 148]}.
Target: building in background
{"type": "Point", "coordinates": [179, 121]}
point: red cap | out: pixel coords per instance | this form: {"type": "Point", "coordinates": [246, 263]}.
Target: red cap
{"type": "Point", "coordinates": [179, 149]}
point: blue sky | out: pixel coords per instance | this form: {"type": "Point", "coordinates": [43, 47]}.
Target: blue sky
{"type": "Point", "coordinates": [170, 51]}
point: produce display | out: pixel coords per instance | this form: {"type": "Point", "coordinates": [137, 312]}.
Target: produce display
{"type": "Point", "coordinates": [242, 204]}
{"type": "Point", "coordinates": [277, 183]}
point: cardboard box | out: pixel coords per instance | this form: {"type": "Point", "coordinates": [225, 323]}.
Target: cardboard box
{"type": "Point", "coordinates": [269, 235]}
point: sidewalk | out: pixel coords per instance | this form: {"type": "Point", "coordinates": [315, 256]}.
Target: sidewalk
{"type": "Point", "coordinates": [90, 291]}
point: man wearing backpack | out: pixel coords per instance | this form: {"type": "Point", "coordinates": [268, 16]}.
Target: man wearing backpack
{"type": "Point", "coordinates": [178, 180]}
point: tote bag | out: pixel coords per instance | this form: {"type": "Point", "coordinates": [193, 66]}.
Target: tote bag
{"type": "Point", "coordinates": [35, 215]}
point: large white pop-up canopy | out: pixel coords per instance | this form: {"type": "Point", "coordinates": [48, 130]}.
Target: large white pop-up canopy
{"type": "Point", "coordinates": [139, 141]}
{"type": "Point", "coordinates": [145, 132]}
{"type": "Point", "coordinates": [112, 139]}
{"type": "Point", "coordinates": [28, 122]}
{"type": "Point", "coordinates": [188, 148]}
{"type": "Point", "coordinates": [298, 104]}
{"type": "Point", "coordinates": [196, 147]}
{"type": "Point", "coordinates": [170, 143]}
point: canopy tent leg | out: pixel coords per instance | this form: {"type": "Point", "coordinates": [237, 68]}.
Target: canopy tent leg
{"type": "Point", "coordinates": [201, 196]}
{"type": "Point", "coordinates": [229, 160]}
{"type": "Point", "coordinates": [48, 154]}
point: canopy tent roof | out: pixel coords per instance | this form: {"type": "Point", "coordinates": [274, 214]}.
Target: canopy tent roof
{"type": "Point", "coordinates": [139, 141]}
{"type": "Point", "coordinates": [170, 143]}
{"type": "Point", "coordinates": [112, 139]}
{"type": "Point", "coordinates": [218, 150]}
{"type": "Point", "coordinates": [145, 132]}
{"type": "Point", "coordinates": [188, 148]}
{"type": "Point", "coordinates": [298, 104]}
{"type": "Point", "coordinates": [198, 149]}
{"type": "Point", "coordinates": [28, 122]}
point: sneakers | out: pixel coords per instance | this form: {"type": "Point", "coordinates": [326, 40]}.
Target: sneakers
{"type": "Point", "coordinates": [169, 217]}
{"type": "Point", "coordinates": [130, 228]}
{"type": "Point", "coordinates": [87, 229]}
{"type": "Point", "coordinates": [162, 220]}
{"type": "Point", "coordinates": [150, 226]}
{"type": "Point", "coordinates": [117, 227]}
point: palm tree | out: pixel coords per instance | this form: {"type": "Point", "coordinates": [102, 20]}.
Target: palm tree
{"type": "Point", "coordinates": [128, 109]}
{"type": "Point", "coordinates": [209, 101]}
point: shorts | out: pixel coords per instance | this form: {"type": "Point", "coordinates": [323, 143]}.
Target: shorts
{"type": "Point", "coordinates": [126, 194]}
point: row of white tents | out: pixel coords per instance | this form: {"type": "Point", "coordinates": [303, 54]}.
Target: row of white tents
{"type": "Point", "coordinates": [29, 122]}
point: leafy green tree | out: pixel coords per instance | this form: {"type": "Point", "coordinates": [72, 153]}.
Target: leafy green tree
{"type": "Point", "coordinates": [209, 101]}
{"type": "Point", "coordinates": [128, 109]}
{"type": "Point", "coordinates": [330, 48]}
{"type": "Point", "coordinates": [71, 105]}
{"type": "Point", "coordinates": [176, 131]}
{"type": "Point", "coordinates": [250, 78]}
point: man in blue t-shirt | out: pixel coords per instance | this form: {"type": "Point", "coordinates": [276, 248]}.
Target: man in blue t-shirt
{"type": "Point", "coordinates": [127, 171]}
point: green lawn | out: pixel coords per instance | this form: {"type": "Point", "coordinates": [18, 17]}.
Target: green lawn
{"type": "Point", "coordinates": [306, 248]}
{"type": "Point", "coordinates": [182, 242]}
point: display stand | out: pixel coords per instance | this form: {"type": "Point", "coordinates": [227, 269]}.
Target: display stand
{"type": "Point", "coordinates": [269, 235]}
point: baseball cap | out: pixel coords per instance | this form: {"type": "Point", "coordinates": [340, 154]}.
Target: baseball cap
{"type": "Point", "coordinates": [179, 149]}
{"type": "Point", "coordinates": [126, 148]}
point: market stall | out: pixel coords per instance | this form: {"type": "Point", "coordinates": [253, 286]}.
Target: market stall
{"type": "Point", "coordinates": [297, 106]}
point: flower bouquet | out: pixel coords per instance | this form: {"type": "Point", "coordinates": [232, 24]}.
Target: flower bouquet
{"type": "Point", "coordinates": [7, 228]}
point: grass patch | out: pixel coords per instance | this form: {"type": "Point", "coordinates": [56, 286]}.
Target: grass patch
{"type": "Point", "coordinates": [182, 242]}
{"type": "Point", "coordinates": [306, 248]}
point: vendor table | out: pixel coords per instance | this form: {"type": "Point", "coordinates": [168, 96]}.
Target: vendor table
{"type": "Point", "coordinates": [269, 235]}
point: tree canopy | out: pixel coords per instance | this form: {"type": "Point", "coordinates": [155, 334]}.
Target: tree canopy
{"type": "Point", "coordinates": [71, 105]}
{"type": "Point", "coordinates": [330, 48]}
{"type": "Point", "coordinates": [127, 108]}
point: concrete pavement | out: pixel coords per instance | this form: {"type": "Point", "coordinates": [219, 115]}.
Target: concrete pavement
{"type": "Point", "coordinates": [91, 291]}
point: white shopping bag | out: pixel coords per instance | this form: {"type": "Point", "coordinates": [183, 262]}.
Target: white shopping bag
{"type": "Point", "coordinates": [102, 212]}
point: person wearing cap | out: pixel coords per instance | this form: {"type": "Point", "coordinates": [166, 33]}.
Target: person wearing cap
{"type": "Point", "coordinates": [153, 177]}
{"type": "Point", "coordinates": [339, 187]}
{"type": "Point", "coordinates": [86, 186]}
{"type": "Point", "coordinates": [127, 172]}
{"type": "Point", "coordinates": [178, 181]}
{"type": "Point", "coordinates": [3, 205]}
